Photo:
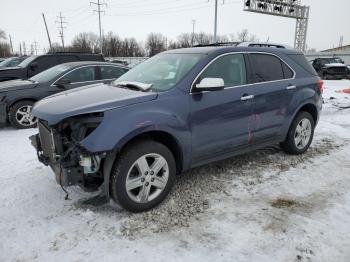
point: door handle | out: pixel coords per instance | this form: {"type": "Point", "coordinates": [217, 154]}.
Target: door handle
{"type": "Point", "coordinates": [245, 98]}
{"type": "Point", "coordinates": [291, 87]}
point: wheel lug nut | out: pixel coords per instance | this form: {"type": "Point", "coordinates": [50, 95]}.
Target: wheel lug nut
{"type": "Point", "coordinates": [152, 173]}
{"type": "Point", "coordinates": [147, 183]}
{"type": "Point", "coordinates": [142, 180]}
{"type": "Point", "coordinates": [146, 173]}
{"type": "Point", "coordinates": [152, 180]}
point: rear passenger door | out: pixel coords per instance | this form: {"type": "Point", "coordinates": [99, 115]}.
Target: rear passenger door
{"type": "Point", "coordinates": [274, 86]}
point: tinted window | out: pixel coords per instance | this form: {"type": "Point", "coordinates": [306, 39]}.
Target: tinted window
{"type": "Point", "coordinates": [266, 68]}
{"type": "Point", "coordinates": [231, 68]}
{"type": "Point", "coordinates": [301, 61]}
{"type": "Point", "coordinates": [287, 72]}
{"type": "Point", "coordinates": [44, 63]}
{"type": "Point", "coordinates": [111, 72]}
{"type": "Point", "coordinates": [67, 58]}
{"type": "Point", "coordinates": [81, 75]}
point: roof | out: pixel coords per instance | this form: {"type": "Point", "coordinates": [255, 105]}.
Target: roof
{"type": "Point", "coordinates": [82, 63]}
{"type": "Point", "coordinates": [340, 48]}
{"type": "Point", "coordinates": [226, 49]}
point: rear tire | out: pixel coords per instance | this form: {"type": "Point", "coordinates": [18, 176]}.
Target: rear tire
{"type": "Point", "coordinates": [143, 175]}
{"type": "Point", "coordinates": [300, 134]}
{"type": "Point", "coordinates": [20, 115]}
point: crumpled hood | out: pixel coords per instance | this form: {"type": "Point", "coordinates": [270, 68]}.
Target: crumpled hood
{"type": "Point", "coordinates": [335, 65]}
{"type": "Point", "coordinates": [17, 84]}
{"type": "Point", "coordinates": [87, 99]}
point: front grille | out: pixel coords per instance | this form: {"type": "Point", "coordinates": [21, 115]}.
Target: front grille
{"type": "Point", "coordinates": [338, 70]}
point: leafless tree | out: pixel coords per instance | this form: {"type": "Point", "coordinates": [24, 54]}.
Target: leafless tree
{"type": "Point", "coordinates": [155, 43]}
{"type": "Point", "coordinates": [244, 36]}
{"type": "Point", "coordinates": [184, 40]}
{"type": "Point", "coordinates": [2, 34]}
{"type": "Point", "coordinates": [85, 42]}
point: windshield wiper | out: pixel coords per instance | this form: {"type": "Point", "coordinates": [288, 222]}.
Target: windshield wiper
{"type": "Point", "coordinates": [135, 85]}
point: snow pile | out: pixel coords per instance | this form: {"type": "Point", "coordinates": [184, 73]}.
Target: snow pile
{"type": "Point", "coordinates": [263, 206]}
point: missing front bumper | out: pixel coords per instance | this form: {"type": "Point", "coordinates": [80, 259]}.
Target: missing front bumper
{"type": "Point", "coordinates": [65, 176]}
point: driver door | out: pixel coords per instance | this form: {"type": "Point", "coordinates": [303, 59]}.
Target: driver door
{"type": "Point", "coordinates": [222, 121]}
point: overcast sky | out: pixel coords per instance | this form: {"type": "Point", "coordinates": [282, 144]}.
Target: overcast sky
{"type": "Point", "coordinates": [136, 18]}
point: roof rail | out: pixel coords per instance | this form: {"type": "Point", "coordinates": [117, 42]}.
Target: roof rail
{"type": "Point", "coordinates": [71, 52]}
{"type": "Point", "coordinates": [218, 44]}
{"type": "Point", "coordinates": [257, 44]}
{"type": "Point", "coordinates": [247, 44]}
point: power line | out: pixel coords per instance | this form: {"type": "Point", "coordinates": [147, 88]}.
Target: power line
{"type": "Point", "coordinates": [99, 11]}
{"type": "Point", "coordinates": [169, 10]}
{"type": "Point", "coordinates": [61, 26]}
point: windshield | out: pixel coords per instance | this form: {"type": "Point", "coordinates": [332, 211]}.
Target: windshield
{"type": "Point", "coordinates": [331, 61]}
{"type": "Point", "coordinates": [50, 74]}
{"type": "Point", "coordinates": [27, 61]}
{"type": "Point", "coordinates": [163, 71]}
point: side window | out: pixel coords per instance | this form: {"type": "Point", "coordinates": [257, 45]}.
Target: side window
{"type": "Point", "coordinates": [287, 72]}
{"type": "Point", "coordinates": [67, 58]}
{"type": "Point", "coordinates": [266, 68]}
{"type": "Point", "coordinates": [43, 63]}
{"type": "Point", "coordinates": [231, 68]}
{"type": "Point", "coordinates": [81, 75]}
{"type": "Point", "coordinates": [111, 72]}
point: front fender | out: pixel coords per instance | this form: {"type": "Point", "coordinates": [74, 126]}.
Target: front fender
{"type": "Point", "coordinates": [121, 125]}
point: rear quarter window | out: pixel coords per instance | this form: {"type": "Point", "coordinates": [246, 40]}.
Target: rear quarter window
{"type": "Point", "coordinates": [302, 62]}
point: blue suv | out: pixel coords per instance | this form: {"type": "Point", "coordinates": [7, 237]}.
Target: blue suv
{"type": "Point", "coordinates": [178, 110]}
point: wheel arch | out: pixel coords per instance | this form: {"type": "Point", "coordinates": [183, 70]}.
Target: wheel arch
{"type": "Point", "coordinates": [163, 137]}
{"type": "Point", "coordinates": [21, 100]}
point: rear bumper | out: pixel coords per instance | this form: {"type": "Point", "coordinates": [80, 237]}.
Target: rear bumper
{"type": "Point", "coordinates": [3, 113]}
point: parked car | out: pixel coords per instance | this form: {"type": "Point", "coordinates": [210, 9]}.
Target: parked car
{"type": "Point", "coordinates": [121, 62]}
{"type": "Point", "coordinates": [330, 68]}
{"type": "Point", "coordinates": [178, 110]}
{"type": "Point", "coordinates": [18, 96]}
{"type": "Point", "coordinates": [35, 64]}
{"type": "Point", "coordinates": [12, 61]}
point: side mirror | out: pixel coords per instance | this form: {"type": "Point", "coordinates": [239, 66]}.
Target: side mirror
{"type": "Point", "coordinates": [62, 83]}
{"type": "Point", "coordinates": [33, 66]}
{"type": "Point", "coordinates": [211, 84]}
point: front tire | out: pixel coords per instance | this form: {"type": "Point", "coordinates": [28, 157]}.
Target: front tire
{"type": "Point", "coordinates": [143, 175]}
{"type": "Point", "coordinates": [20, 115]}
{"type": "Point", "coordinates": [300, 134]}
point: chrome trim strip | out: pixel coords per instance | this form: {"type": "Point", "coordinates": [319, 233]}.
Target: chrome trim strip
{"type": "Point", "coordinates": [229, 87]}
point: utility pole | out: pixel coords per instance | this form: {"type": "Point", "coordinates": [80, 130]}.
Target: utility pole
{"type": "Point", "coordinates": [216, 22]}
{"type": "Point", "coordinates": [61, 27]}
{"type": "Point", "coordinates": [99, 4]}
{"type": "Point", "coordinates": [47, 31]}
{"type": "Point", "coordinates": [20, 49]}
{"type": "Point", "coordinates": [11, 44]}
{"type": "Point", "coordinates": [193, 25]}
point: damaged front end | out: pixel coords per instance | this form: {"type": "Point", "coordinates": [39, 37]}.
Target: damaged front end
{"type": "Point", "coordinates": [59, 147]}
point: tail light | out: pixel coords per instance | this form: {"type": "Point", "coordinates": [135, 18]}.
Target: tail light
{"type": "Point", "coordinates": [320, 85]}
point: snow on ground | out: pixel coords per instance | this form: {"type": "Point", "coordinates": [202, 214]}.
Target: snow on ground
{"type": "Point", "coordinates": [263, 206]}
